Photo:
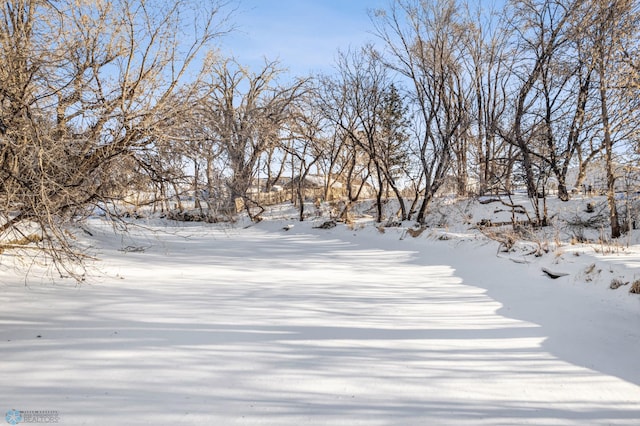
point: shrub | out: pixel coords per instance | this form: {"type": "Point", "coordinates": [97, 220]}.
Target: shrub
{"type": "Point", "coordinates": [617, 283]}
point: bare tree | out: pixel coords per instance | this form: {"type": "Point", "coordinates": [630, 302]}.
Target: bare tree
{"type": "Point", "coordinates": [336, 150]}
{"type": "Point", "coordinates": [487, 63]}
{"type": "Point", "coordinates": [372, 116]}
{"type": "Point", "coordinates": [613, 32]}
{"type": "Point", "coordinates": [424, 43]}
{"type": "Point", "coordinates": [305, 145]}
{"type": "Point", "coordinates": [83, 85]}
{"type": "Point", "coordinates": [546, 86]}
{"type": "Point", "coordinates": [556, 69]}
{"type": "Point", "coordinates": [246, 112]}
{"type": "Point", "coordinates": [339, 107]}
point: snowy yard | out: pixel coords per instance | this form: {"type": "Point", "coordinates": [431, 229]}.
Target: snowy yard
{"type": "Point", "coordinates": [224, 326]}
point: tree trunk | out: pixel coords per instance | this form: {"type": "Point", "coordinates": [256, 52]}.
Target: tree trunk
{"type": "Point", "coordinates": [379, 193]}
{"type": "Point", "coordinates": [196, 188]}
{"type": "Point", "coordinates": [608, 144]}
{"type": "Point", "coordinates": [423, 207]}
{"type": "Point", "coordinates": [398, 193]}
{"type": "Point", "coordinates": [300, 193]}
{"type": "Point", "coordinates": [563, 193]}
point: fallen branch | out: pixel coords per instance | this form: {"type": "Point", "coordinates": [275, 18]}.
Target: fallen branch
{"type": "Point", "coordinates": [554, 275]}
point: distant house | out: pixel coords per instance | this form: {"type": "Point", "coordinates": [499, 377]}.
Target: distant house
{"type": "Point", "coordinates": [259, 194]}
{"type": "Point", "coordinates": [595, 181]}
{"type": "Point", "coordinates": [315, 187]}
{"type": "Point", "coordinates": [318, 187]}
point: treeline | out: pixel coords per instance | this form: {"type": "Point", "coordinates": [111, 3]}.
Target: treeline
{"type": "Point", "coordinates": [102, 101]}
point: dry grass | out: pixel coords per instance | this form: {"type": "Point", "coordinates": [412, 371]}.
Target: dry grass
{"type": "Point", "coordinates": [590, 273]}
{"type": "Point", "coordinates": [416, 232]}
{"type": "Point", "coordinates": [617, 283]}
{"type": "Point", "coordinates": [605, 246]}
{"type": "Point", "coordinates": [20, 242]}
{"type": "Point", "coordinates": [507, 239]}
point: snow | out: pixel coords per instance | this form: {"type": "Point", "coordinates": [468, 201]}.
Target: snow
{"type": "Point", "coordinates": [258, 325]}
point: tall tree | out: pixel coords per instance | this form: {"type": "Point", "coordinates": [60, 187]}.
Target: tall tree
{"type": "Point", "coordinates": [83, 86]}
{"type": "Point", "coordinates": [371, 116]}
{"type": "Point", "coordinates": [423, 42]}
{"type": "Point", "coordinates": [305, 146]}
{"type": "Point", "coordinates": [543, 32]}
{"type": "Point", "coordinates": [246, 112]}
{"type": "Point", "coordinates": [392, 141]}
{"type": "Point", "coordinates": [614, 30]}
{"type": "Point", "coordinates": [487, 64]}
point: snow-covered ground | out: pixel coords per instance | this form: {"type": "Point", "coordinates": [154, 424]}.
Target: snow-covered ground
{"type": "Point", "coordinates": [201, 324]}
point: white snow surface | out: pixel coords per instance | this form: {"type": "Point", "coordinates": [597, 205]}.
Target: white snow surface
{"type": "Point", "coordinates": [258, 325]}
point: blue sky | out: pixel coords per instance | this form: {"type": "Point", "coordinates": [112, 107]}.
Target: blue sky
{"type": "Point", "coordinates": [303, 34]}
